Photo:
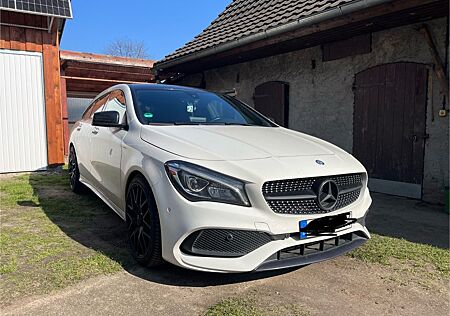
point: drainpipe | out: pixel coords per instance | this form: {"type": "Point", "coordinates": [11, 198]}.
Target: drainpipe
{"type": "Point", "coordinates": [303, 22]}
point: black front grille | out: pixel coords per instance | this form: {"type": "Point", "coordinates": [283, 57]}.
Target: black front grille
{"type": "Point", "coordinates": [224, 242]}
{"type": "Point", "coordinates": [285, 186]}
{"type": "Point", "coordinates": [299, 196]}
{"type": "Point", "coordinates": [307, 206]}
{"type": "Point", "coordinates": [347, 198]}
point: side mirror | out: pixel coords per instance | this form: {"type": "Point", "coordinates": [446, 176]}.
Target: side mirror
{"type": "Point", "coordinates": [107, 119]}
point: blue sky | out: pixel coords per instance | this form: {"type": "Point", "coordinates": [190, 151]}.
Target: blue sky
{"type": "Point", "coordinates": [163, 25]}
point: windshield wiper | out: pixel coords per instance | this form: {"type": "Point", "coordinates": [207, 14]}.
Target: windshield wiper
{"type": "Point", "coordinates": [186, 123]}
{"type": "Point", "coordinates": [199, 123]}
{"type": "Point", "coordinates": [241, 124]}
{"type": "Point", "coordinates": [213, 123]}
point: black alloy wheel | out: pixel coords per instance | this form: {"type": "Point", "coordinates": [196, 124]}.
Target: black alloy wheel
{"type": "Point", "coordinates": [74, 172]}
{"type": "Point", "coordinates": [142, 221]}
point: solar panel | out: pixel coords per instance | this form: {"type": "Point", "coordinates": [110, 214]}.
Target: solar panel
{"type": "Point", "coordinates": [56, 8]}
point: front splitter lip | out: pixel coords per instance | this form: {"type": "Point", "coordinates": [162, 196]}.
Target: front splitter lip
{"type": "Point", "coordinates": [313, 258]}
{"type": "Point", "coordinates": [254, 261]}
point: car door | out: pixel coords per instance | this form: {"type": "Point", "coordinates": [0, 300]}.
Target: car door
{"type": "Point", "coordinates": [106, 150]}
{"type": "Point", "coordinates": [82, 136]}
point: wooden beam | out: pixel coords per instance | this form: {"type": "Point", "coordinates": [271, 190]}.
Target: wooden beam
{"type": "Point", "coordinates": [55, 128]}
{"type": "Point", "coordinates": [106, 74]}
{"type": "Point", "coordinates": [87, 87]}
{"type": "Point", "coordinates": [439, 65]}
{"type": "Point", "coordinates": [106, 59]}
{"type": "Point", "coordinates": [65, 115]}
{"type": "Point", "coordinates": [105, 67]}
{"type": "Point", "coordinates": [99, 80]}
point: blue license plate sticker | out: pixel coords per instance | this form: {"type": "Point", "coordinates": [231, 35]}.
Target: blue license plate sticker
{"type": "Point", "coordinates": [302, 225]}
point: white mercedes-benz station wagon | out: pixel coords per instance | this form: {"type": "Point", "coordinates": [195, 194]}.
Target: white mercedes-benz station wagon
{"type": "Point", "coordinates": [205, 182]}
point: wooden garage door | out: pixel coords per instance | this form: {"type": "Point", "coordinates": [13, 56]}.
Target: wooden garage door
{"type": "Point", "coordinates": [389, 125]}
{"type": "Point", "coordinates": [23, 138]}
{"type": "Point", "coordinates": [272, 100]}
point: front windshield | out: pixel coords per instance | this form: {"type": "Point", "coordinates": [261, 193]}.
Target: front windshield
{"type": "Point", "coordinates": [183, 107]}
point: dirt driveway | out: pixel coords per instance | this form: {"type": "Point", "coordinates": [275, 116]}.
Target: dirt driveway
{"type": "Point", "coordinates": [339, 287]}
{"type": "Point", "coordinates": [387, 276]}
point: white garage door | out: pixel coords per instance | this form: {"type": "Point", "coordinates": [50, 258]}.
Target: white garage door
{"type": "Point", "coordinates": [23, 139]}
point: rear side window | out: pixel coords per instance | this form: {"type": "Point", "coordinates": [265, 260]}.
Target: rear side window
{"type": "Point", "coordinates": [95, 106]}
{"type": "Point", "coordinates": [116, 102]}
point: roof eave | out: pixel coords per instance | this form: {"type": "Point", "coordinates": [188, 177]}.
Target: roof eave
{"type": "Point", "coordinates": [317, 18]}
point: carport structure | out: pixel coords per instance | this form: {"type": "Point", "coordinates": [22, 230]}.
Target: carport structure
{"type": "Point", "coordinates": [84, 75]}
{"type": "Point", "coordinates": [93, 73]}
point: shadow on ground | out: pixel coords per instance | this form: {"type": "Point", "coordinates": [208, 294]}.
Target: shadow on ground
{"type": "Point", "coordinates": [88, 221]}
{"type": "Point", "coordinates": [409, 219]}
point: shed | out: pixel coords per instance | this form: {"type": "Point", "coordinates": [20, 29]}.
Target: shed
{"type": "Point", "coordinates": [31, 129]}
{"type": "Point", "coordinates": [42, 88]}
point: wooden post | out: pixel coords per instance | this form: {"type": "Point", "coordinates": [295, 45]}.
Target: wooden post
{"type": "Point", "coordinates": [439, 70]}
{"type": "Point", "coordinates": [65, 116]}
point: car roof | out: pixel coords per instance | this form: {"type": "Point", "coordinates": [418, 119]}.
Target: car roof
{"type": "Point", "coordinates": [157, 86]}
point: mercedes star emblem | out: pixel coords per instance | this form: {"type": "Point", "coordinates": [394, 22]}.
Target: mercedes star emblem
{"type": "Point", "coordinates": [327, 195]}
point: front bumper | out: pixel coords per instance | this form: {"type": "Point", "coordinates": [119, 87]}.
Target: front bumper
{"type": "Point", "coordinates": [180, 218]}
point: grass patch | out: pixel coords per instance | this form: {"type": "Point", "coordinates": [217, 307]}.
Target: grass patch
{"type": "Point", "coordinates": [48, 236]}
{"type": "Point", "coordinates": [234, 307]}
{"type": "Point", "coordinates": [254, 304]}
{"type": "Point", "coordinates": [423, 258]}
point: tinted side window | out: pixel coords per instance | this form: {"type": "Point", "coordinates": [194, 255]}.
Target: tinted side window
{"type": "Point", "coordinates": [116, 102]}
{"type": "Point", "coordinates": [87, 112]}
{"type": "Point", "coordinates": [98, 105]}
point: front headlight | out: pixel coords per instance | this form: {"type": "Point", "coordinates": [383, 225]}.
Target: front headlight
{"type": "Point", "coordinates": [196, 183]}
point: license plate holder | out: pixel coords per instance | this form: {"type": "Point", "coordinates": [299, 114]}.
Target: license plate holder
{"type": "Point", "coordinates": [325, 226]}
{"type": "Point", "coordinates": [302, 225]}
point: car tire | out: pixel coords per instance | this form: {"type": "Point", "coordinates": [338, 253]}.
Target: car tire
{"type": "Point", "coordinates": [74, 173]}
{"type": "Point", "coordinates": [142, 220]}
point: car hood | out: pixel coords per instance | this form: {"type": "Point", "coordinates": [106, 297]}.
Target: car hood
{"type": "Point", "coordinates": [233, 143]}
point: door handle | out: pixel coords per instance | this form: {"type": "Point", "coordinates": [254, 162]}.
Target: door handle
{"type": "Point", "coordinates": [95, 131]}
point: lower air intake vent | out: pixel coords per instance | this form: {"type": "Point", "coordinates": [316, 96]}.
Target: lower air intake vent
{"type": "Point", "coordinates": [224, 242]}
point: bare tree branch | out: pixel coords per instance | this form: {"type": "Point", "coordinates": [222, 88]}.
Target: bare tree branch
{"type": "Point", "coordinates": [127, 48]}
